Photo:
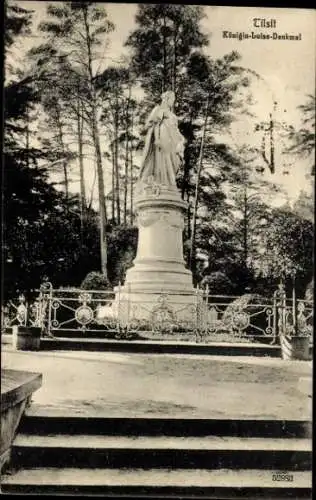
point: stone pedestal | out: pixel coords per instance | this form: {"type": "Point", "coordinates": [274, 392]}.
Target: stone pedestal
{"type": "Point", "coordinates": [26, 338]}
{"type": "Point", "coordinates": [158, 280]}
{"type": "Point", "coordinates": [17, 388]}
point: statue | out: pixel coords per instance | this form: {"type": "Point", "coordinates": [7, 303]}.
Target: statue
{"type": "Point", "coordinates": [164, 145]}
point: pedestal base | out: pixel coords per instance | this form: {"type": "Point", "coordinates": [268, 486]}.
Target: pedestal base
{"type": "Point", "coordinates": [158, 290]}
{"type": "Point", "coordinates": [158, 285]}
{"type": "Point", "coordinates": [157, 311]}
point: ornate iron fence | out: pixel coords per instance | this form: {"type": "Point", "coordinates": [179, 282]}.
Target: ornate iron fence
{"type": "Point", "coordinates": [238, 317]}
{"type": "Point", "coordinates": [194, 317]}
{"type": "Point", "coordinates": [19, 313]}
{"type": "Point", "coordinates": [74, 309]}
{"type": "Point", "coordinates": [293, 316]}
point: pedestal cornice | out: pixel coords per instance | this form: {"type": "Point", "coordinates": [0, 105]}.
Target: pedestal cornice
{"type": "Point", "coordinates": [158, 196]}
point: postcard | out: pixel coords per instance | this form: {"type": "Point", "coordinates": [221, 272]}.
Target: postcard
{"type": "Point", "coordinates": [158, 230]}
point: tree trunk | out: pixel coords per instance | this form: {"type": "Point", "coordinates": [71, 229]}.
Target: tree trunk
{"type": "Point", "coordinates": [96, 141]}
{"type": "Point", "coordinates": [127, 131]}
{"type": "Point", "coordinates": [113, 182]}
{"type": "Point", "coordinates": [197, 185]}
{"type": "Point", "coordinates": [189, 216]}
{"type": "Point", "coordinates": [62, 147]}
{"type": "Point", "coordinates": [131, 174]}
{"type": "Point", "coordinates": [186, 167]}
{"type": "Point", "coordinates": [126, 159]}
{"type": "Point", "coordinates": [102, 207]}
{"type": "Point", "coordinates": [245, 228]}
{"type": "Point", "coordinates": [272, 166]}
{"type": "Point", "coordinates": [174, 60]}
{"type": "Point", "coordinates": [117, 173]}
{"type": "Point", "coordinates": [27, 137]}
{"type": "Point", "coordinates": [164, 56]}
{"type": "Point", "coordinates": [81, 167]}
{"type": "Point", "coordinates": [269, 131]}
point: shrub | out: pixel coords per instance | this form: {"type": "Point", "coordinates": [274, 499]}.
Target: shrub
{"type": "Point", "coordinates": [309, 293]}
{"type": "Point", "coordinates": [218, 284]}
{"type": "Point", "coordinates": [95, 281]}
{"type": "Point", "coordinates": [253, 305]}
{"type": "Point", "coordinates": [122, 245]}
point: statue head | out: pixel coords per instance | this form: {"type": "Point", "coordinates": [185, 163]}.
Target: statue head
{"type": "Point", "coordinates": [168, 97]}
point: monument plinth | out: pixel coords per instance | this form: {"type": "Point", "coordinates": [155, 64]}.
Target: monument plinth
{"type": "Point", "coordinates": [158, 277]}
{"type": "Point", "coordinates": [159, 265]}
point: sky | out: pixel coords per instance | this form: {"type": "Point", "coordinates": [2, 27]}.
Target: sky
{"type": "Point", "coordinates": [286, 67]}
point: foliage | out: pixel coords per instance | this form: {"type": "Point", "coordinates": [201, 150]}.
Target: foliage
{"type": "Point", "coordinates": [51, 244]}
{"type": "Point", "coordinates": [122, 251]}
{"type": "Point", "coordinates": [303, 139]}
{"type": "Point", "coordinates": [162, 42]}
{"type": "Point", "coordinates": [42, 235]}
{"type": "Point", "coordinates": [309, 292]}
{"type": "Point", "coordinates": [75, 32]}
{"type": "Point", "coordinates": [91, 109]}
{"type": "Point", "coordinates": [206, 97]}
{"type": "Point", "coordinates": [288, 248]}
{"type": "Point", "coordinates": [304, 206]}
{"type": "Point", "coordinates": [218, 283]}
{"type": "Point", "coordinates": [120, 121]}
{"type": "Point", "coordinates": [253, 305]}
{"type": "Point", "coordinates": [95, 280]}
{"type": "Point", "coordinates": [17, 22]}
{"type": "Point", "coordinates": [28, 199]}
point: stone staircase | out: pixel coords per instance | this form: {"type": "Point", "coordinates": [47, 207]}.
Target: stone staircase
{"type": "Point", "coordinates": [147, 457]}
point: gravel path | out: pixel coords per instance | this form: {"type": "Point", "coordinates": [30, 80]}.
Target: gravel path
{"type": "Point", "coordinates": [136, 385]}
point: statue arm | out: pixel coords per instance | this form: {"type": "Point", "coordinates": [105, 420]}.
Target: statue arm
{"type": "Point", "coordinates": [156, 116]}
{"type": "Point", "coordinates": [153, 122]}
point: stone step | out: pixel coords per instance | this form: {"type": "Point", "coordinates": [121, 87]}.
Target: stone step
{"type": "Point", "coordinates": [45, 421]}
{"type": "Point", "coordinates": [200, 483]}
{"type": "Point", "coordinates": [161, 442]}
{"type": "Point", "coordinates": [150, 346]}
{"type": "Point", "coordinates": [210, 452]}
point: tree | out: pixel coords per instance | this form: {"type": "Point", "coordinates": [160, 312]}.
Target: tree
{"type": "Point", "coordinates": [35, 213]}
{"type": "Point", "coordinates": [17, 22]}
{"type": "Point", "coordinates": [218, 283]}
{"type": "Point", "coordinates": [303, 139]}
{"type": "Point", "coordinates": [18, 93]}
{"type": "Point", "coordinates": [170, 36]}
{"type": "Point", "coordinates": [122, 251]}
{"type": "Point", "coordinates": [63, 97]}
{"type": "Point", "coordinates": [214, 85]}
{"type": "Point", "coordinates": [304, 206]}
{"type": "Point", "coordinates": [76, 31]}
{"type": "Point", "coordinates": [250, 197]}
{"type": "Point", "coordinates": [288, 248]}
{"type": "Point", "coordinates": [231, 238]}
{"type": "Point", "coordinates": [57, 144]}
{"type": "Point", "coordinates": [25, 192]}
{"type": "Point", "coordinates": [162, 42]}
{"type": "Point", "coordinates": [111, 86]}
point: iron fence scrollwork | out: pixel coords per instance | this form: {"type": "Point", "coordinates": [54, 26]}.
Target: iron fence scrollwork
{"type": "Point", "coordinates": [203, 317]}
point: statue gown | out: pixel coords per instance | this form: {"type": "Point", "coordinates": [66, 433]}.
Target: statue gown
{"type": "Point", "coordinates": [161, 161]}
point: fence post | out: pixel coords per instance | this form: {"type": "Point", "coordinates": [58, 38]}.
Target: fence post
{"type": "Point", "coordinates": [275, 317]}
{"type": "Point", "coordinates": [128, 305]}
{"type": "Point", "coordinates": [279, 312]}
{"type": "Point", "coordinates": [294, 311]}
{"type": "Point", "coordinates": [49, 303]}
{"type": "Point", "coordinates": [198, 315]}
{"type": "Point", "coordinates": [118, 313]}
{"type": "Point", "coordinates": [282, 316]}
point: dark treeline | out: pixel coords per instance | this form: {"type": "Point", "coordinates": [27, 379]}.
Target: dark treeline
{"type": "Point", "coordinates": [67, 111]}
